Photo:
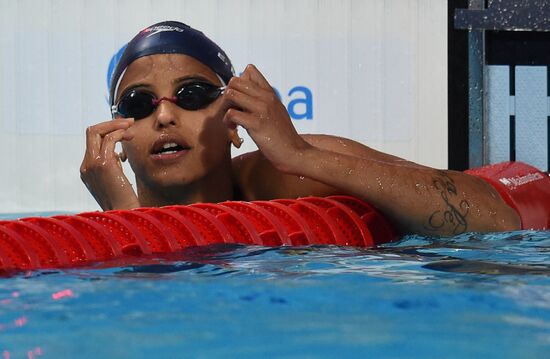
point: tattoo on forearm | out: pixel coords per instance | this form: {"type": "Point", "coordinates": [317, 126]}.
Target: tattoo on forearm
{"type": "Point", "coordinates": [453, 216]}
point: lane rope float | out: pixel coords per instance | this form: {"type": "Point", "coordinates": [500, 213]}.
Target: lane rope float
{"type": "Point", "coordinates": [91, 237]}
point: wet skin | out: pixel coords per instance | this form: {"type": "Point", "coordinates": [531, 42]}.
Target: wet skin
{"type": "Point", "coordinates": [416, 198]}
{"type": "Point", "coordinates": [201, 167]}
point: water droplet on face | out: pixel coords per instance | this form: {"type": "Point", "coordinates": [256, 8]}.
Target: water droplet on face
{"type": "Point", "coordinates": [302, 178]}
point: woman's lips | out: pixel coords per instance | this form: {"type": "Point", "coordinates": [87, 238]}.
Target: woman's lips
{"type": "Point", "coordinates": [169, 156]}
{"type": "Point", "coordinates": [168, 148]}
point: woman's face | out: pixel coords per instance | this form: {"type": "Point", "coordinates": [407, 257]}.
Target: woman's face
{"type": "Point", "coordinates": [173, 146]}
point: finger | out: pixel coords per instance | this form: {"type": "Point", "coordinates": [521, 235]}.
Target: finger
{"type": "Point", "coordinates": [94, 134]}
{"type": "Point", "coordinates": [234, 98]}
{"type": "Point", "coordinates": [256, 76]}
{"type": "Point", "coordinates": [235, 117]}
{"type": "Point", "coordinates": [127, 135]}
{"type": "Point", "coordinates": [247, 86]}
{"type": "Point", "coordinates": [109, 142]}
{"type": "Point", "coordinates": [104, 128]}
{"type": "Point", "coordinates": [93, 143]}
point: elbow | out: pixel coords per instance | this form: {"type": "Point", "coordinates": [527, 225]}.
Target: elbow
{"type": "Point", "coordinates": [502, 217]}
{"type": "Point", "coordinates": [508, 220]}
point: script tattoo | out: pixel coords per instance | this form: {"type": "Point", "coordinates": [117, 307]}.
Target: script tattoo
{"type": "Point", "coordinates": [452, 216]}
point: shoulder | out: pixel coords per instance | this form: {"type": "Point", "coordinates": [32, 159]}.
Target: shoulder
{"type": "Point", "coordinates": [256, 179]}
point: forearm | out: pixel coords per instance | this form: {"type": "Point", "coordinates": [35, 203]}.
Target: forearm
{"type": "Point", "coordinates": [419, 199]}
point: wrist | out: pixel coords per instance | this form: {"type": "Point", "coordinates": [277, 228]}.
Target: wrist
{"type": "Point", "coordinates": [299, 161]}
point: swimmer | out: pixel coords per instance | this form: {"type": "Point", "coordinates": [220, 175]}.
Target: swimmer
{"type": "Point", "coordinates": [177, 107]}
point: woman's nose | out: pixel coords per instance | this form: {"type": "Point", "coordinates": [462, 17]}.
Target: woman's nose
{"type": "Point", "coordinates": [166, 112]}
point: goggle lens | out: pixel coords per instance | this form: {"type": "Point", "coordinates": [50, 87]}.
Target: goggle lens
{"type": "Point", "coordinates": [136, 104]}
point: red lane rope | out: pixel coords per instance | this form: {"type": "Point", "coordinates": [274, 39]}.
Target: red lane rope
{"type": "Point", "coordinates": [70, 241]}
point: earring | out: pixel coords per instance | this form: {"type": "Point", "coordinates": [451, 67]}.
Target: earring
{"type": "Point", "coordinates": [236, 140]}
{"type": "Point", "coordinates": [122, 156]}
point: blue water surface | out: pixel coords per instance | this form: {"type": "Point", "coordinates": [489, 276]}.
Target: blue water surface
{"type": "Point", "coordinates": [471, 296]}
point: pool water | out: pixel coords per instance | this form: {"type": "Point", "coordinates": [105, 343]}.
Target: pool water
{"type": "Point", "coordinates": [469, 296]}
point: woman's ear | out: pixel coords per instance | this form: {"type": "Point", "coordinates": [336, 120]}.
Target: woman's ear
{"type": "Point", "coordinates": [234, 138]}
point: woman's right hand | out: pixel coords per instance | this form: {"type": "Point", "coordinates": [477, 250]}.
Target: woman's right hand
{"type": "Point", "coordinates": [101, 169]}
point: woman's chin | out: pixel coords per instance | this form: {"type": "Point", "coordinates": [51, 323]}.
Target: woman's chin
{"type": "Point", "coordinates": [169, 179]}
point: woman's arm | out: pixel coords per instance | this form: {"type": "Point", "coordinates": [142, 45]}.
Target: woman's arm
{"type": "Point", "coordinates": [418, 199]}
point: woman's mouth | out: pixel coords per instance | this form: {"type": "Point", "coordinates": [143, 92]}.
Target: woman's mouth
{"type": "Point", "coordinates": [168, 150]}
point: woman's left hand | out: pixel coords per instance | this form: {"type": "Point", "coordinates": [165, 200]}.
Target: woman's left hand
{"type": "Point", "coordinates": [252, 103]}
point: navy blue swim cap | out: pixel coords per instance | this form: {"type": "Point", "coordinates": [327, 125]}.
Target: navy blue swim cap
{"type": "Point", "coordinates": [172, 37]}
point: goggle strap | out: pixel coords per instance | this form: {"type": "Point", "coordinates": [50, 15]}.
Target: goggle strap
{"type": "Point", "coordinates": [114, 111]}
{"type": "Point", "coordinates": [117, 85]}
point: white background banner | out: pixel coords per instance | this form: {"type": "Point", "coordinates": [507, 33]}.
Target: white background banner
{"type": "Point", "coordinates": [372, 70]}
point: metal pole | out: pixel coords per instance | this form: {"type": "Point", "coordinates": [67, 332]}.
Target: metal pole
{"type": "Point", "coordinates": [476, 62]}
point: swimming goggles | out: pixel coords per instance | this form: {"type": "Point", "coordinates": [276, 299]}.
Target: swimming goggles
{"type": "Point", "coordinates": [140, 104]}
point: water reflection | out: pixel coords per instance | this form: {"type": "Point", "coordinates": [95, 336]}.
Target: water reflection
{"type": "Point", "coordinates": [414, 258]}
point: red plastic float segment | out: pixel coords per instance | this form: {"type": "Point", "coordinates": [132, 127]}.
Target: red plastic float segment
{"type": "Point", "coordinates": [130, 238]}
{"type": "Point", "coordinates": [355, 232]}
{"type": "Point", "coordinates": [326, 231]}
{"type": "Point", "coordinates": [299, 233]}
{"type": "Point", "coordinates": [211, 229]}
{"type": "Point", "coordinates": [45, 246]}
{"type": "Point", "coordinates": [6, 252]}
{"type": "Point", "coordinates": [76, 248]}
{"type": "Point", "coordinates": [183, 230]}
{"type": "Point", "coordinates": [270, 229]}
{"type": "Point", "coordinates": [379, 227]}
{"type": "Point", "coordinates": [240, 228]}
{"type": "Point", "coordinates": [102, 242]}
{"type": "Point", "coordinates": [157, 237]}
{"type": "Point", "coordinates": [15, 251]}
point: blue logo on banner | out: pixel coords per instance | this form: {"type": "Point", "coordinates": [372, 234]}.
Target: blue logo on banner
{"type": "Point", "coordinates": [300, 104]}
{"type": "Point", "coordinates": [300, 98]}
